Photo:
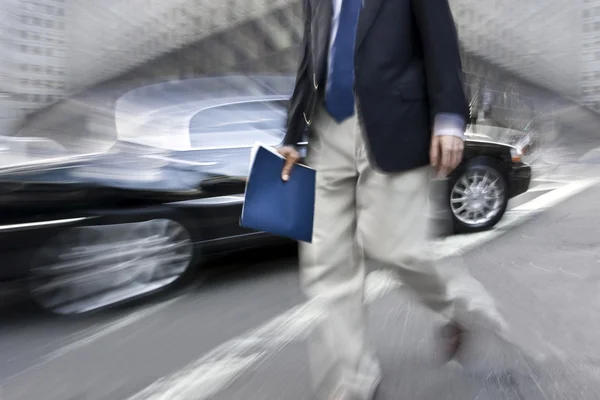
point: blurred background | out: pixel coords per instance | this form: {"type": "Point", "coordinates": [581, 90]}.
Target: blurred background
{"type": "Point", "coordinates": [528, 59]}
{"type": "Point", "coordinates": [123, 97]}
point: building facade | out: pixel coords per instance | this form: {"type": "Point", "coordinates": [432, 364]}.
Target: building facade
{"type": "Point", "coordinates": [590, 47]}
{"type": "Point", "coordinates": [539, 41]}
{"type": "Point", "coordinates": [33, 55]}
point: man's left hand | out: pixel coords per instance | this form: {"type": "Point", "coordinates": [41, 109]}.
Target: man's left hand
{"type": "Point", "coordinates": [446, 153]}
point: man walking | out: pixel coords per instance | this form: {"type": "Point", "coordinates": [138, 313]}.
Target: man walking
{"type": "Point", "coordinates": [379, 86]}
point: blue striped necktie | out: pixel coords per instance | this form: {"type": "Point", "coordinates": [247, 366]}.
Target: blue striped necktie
{"type": "Point", "coordinates": [339, 96]}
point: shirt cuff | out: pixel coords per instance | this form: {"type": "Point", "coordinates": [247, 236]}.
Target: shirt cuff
{"type": "Point", "coordinates": [446, 124]}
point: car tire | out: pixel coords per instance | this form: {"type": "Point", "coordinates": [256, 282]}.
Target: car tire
{"type": "Point", "coordinates": [111, 264]}
{"type": "Point", "coordinates": [484, 197]}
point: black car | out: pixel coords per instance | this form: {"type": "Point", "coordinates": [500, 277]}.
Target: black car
{"type": "Point", "coordinates": [91, 230]}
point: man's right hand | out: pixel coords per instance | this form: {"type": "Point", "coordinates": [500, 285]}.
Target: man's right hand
{"type": "Point", "coordinates": [291, 156]}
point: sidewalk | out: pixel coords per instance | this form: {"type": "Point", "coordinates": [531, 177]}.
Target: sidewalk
{"type": "Point", "coordinates": [543, 275]}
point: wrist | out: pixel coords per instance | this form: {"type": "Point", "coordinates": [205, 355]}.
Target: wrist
{"type": "Point", "coordinates": [449, 132]}
{"type": "Point", "coordinates": [446, 124]}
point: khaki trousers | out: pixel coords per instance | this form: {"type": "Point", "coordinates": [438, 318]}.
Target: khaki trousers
{"type": "Point", "coordinates": [362, 212]}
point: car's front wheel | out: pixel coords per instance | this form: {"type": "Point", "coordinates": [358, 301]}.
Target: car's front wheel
{"type": "Point", "coordinates": [91, 267]}
{"type": "Point", "coordinates": [478, 195]}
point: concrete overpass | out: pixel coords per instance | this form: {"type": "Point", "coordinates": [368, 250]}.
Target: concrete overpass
{"type": "Point", "coordinates": [127, 43]}
{"type": "Point", "coordinates": [537, 40]}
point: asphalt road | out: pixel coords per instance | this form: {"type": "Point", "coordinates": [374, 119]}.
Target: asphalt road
{"type": "Point", "coordinates": [239, 334]}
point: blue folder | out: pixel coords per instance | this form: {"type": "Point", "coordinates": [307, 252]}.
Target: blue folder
{"type": "Point", "coordinates": [274, 206]}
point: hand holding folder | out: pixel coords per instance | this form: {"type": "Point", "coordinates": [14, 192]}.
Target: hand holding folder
{"type": "Point", "coordinates": [278, 207]}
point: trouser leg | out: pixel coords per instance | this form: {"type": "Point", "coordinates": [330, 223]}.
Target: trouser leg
{"type": "Point", "coordinates": [394, 226]}
{"type": "Point", "coordinates": [332, 268]}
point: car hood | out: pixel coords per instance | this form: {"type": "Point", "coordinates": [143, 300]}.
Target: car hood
{"type": "Point", "coordinates": [117, 177]}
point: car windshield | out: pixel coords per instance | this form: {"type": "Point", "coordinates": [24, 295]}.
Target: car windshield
{"type": "Point", "coordinates": [239, 124]}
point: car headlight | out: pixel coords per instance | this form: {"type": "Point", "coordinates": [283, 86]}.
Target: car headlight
{"type": "Point", "coordinates": [516, 155]}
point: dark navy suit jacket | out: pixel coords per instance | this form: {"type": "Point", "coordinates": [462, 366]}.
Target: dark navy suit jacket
{"type": "Point", "coordinates": [407, 75]}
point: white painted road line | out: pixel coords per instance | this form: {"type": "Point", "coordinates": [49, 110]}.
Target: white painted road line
{"type": "Point", "coordinates": [210, 374]}
{"type": "Point", "coordinates": [88, 336]}
{"type": "Point", "coordinates": [592, 154]}
{"type": "Point", "coordinates": [455, 245]}
{"type": "Point", "coordinates": [544, 187]}
{"type": "Point", "coordinates": [552, 180]}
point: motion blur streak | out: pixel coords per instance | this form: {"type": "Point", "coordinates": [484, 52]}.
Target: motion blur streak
{"type": "Point", "coordinates": [210, 374]}
{"type": "Point", "coordinates": [125, 136]}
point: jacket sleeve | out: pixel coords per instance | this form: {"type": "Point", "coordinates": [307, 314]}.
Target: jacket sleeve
{"type": "Point", "coordinates": [442, 59]}
{"type": "Point", "coordinates": [296, 123]}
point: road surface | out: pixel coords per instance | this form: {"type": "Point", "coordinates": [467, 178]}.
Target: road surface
{"type": "Point", "coordinates": [240, 333]}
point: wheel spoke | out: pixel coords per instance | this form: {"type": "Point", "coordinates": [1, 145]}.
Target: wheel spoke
{"type": "Point", "coordinates": [483, 181]}
{"type": "Point", "coordinates": [465, 182]}
{"type": "Point", "coordinates": [462, 208]}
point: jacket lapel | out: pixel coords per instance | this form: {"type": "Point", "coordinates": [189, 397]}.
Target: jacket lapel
{"type": "Point", "coordinates": [366, 19]}
{"type": "Point", "coordinates": [322, 11]}
{"type": "Point", "coordinates": [313, 5]}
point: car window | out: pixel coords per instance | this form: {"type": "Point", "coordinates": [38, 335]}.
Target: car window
{"type": "Point", "coordinates": [239, 124]}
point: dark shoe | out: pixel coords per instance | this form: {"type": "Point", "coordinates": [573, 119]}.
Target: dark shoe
{"type": "Point", "coordinates": [454, 336]}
